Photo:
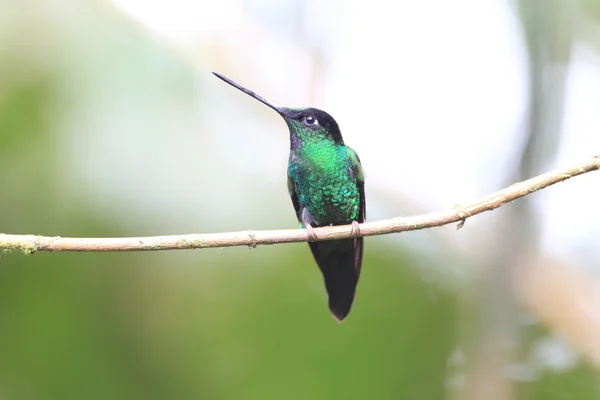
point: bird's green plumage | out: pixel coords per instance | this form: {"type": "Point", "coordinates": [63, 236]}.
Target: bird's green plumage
{"type": "Point", "coordinates": [322, 176]}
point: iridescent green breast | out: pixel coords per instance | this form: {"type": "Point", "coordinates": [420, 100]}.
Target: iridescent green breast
{"type": "Point", "coordinates": [323, 183]}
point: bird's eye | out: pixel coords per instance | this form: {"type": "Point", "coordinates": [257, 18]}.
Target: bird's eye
{"type": "Point", "coordinates": [310, 120]}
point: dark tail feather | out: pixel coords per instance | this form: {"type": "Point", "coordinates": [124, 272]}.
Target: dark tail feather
{"type": "Point", "coordinates": [340, 262]}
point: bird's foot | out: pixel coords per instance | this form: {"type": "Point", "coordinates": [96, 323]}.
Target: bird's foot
{"type": "Point", "coordinates": [312, 236]}
{"type": "Point", "coordinates": [355, 232]}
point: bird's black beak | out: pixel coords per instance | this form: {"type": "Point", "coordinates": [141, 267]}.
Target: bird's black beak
{"type": "Point", "coordinates": [249, 93]}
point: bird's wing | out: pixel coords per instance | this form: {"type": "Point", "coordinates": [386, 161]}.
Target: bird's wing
{"type": "Point", "coordinates": [357, 171]}
{"type": "Point", "coordinates": [294, 197]}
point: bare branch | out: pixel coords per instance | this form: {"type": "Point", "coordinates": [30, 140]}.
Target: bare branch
{"type": "Point", "coordinates": [31, 243]}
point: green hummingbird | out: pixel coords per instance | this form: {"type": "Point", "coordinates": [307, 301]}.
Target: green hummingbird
{"type": "Point", "coordinates": [327, 186]}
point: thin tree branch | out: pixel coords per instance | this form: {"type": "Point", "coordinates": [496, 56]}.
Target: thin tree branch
{"type": "Point", "coordinates": [31, 243]}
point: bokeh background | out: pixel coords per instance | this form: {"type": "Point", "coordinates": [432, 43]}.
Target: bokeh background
{"type": "Point", "coordinates": [111, 124]}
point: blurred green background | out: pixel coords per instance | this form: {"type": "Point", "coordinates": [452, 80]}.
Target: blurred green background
{"type": "Point", "coordinates": [110, 129]}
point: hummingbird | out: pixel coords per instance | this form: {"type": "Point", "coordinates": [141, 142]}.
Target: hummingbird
{"type": "Point", "coordinates": [326, 183]}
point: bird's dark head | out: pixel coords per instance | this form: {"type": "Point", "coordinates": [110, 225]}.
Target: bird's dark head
{"type": "Point", "coordinates": [308, 124]}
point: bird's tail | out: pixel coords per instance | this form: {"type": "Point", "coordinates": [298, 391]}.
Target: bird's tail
{"type": "Point", "coordinates": [340, 262]}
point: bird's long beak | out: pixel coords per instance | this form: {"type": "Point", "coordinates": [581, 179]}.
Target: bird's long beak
{"type": "Point", "coordinates": [248, 92]}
